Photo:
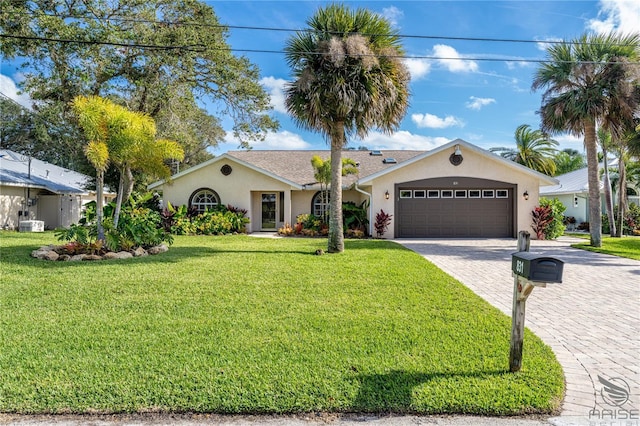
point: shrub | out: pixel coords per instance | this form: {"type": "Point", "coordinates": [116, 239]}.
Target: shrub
{"type": "Point", "coordinates": [631, 220]}
{"type": "Point", "coordinates": [355, 217]}
{"type": "Point", "coordinates": [382, 222]}
{"type": "Point", "coordinates": [542, 218]}
{"type": "Point", "coordinates": [555, 227]}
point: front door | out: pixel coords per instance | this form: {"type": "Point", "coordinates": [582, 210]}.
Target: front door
{"type": "Point", "coordinates": [269, 206]}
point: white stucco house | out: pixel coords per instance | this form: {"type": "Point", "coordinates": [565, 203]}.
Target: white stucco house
{"type": "Point", "coordinates": [455, 190]}
{"type": "Point", "coordinates": [572, 190]}
{"type": "Point", "coordinates": [34, 190]}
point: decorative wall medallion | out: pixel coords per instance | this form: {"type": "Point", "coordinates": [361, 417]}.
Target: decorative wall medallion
{"type": "Point", "coordinates": [456, 160]}
{"type": "Point", "coordinates": [226, 170]}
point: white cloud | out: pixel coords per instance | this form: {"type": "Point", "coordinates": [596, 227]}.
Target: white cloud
{"type": "Point", "coordinates": [280, 140]}
{"type": "Point", "coordinates": [477, 103]}
{"type": "Point", "coordinates": [8, 88]}
{"type": "Point", "coordinates": [452, 60]}
{"type": "Point", "coordinates": [402, 140]}
{"type": "Point", "coordinates": [435, 122]}
{"type": "Point", "coordinates": [622, 16]}
{"type": "Point", "coordinates": [417, 67]}
{"type": "Point", "coordinates": [275, 87]}
{"type": "Point", "coordinates": [392, 14]}
{"type": "Point", "coordinates": [567, 140]}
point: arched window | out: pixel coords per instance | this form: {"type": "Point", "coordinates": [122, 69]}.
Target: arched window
{"type": "Point", "coordinates": [204, 199]}
{"type": "Point", "coordinates": [320, 204]}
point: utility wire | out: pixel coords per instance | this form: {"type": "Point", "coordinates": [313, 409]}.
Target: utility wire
{"type": "Point", "coordinates": [291, 30]}
{"type": "Point", "coordinates": [201, 48]}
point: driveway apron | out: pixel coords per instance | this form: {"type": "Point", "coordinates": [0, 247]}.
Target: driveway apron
{"type": "Point", "coordinates": [591, 320]}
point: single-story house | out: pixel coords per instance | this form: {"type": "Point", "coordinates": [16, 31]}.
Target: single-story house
{"type": "Point", "coordinates": [455, 190]}
{"type": "Point", "coordinates": [31, 189]}
{"type": "Point", "coordinates": [572, 190]}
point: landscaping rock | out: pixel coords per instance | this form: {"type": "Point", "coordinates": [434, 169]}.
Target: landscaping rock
{"type": "Point", "coordinates": [118, 255]}
{"type": "Point", "coordinates": [92, 257]}
{"type": "Point", "coordinates": [77, 258]}
{"type": "Point", "coordinates": [158, 249]}
{"type": "Point", "coordinates": [50, 255]}
{"type": "Point", "coordinates": [64, 258]}
{"type": "Point", "coordinates": [140, 252]}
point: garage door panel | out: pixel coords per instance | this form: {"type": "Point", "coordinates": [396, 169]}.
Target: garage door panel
{"type": "Point", "coordinates": [456, 217]}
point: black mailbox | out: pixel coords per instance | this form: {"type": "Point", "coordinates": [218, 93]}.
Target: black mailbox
{"type": "Point", "coordinates": [537, 267]}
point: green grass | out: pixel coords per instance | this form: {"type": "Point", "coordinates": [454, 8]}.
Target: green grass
{"type": "Point", "coordinates": [623, 247]}
{"type": "Point", "coordinates": [251, 325]}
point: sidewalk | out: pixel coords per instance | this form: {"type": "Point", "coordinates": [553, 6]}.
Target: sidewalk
{"type": "Point", "coordinates": [591, 320]}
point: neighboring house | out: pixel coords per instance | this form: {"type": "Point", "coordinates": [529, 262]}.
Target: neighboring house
{"type": "Point", "coordinates": [31, 189]}
{"type": "Point", "coordinates": [572, 190]}
{"type": "Point", "coordinates": [456, 190]}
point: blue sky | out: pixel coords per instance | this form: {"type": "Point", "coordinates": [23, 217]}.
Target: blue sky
{"type": "Point", "coordinates": [479, 91]}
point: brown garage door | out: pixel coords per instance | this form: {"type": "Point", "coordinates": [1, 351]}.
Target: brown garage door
{"type": "Point", "coordinates": [455, 208]}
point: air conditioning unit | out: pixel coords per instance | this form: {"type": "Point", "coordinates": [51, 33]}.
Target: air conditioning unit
{"type": "Point", "coordinates": [32, 226]}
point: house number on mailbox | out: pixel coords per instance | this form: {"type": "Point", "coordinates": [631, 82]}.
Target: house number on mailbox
{"type": "Point", "coordinates": [519, 266]}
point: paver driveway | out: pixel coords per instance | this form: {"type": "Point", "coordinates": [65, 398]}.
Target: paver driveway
{"type": "Point", "coordinates": [591, 320]}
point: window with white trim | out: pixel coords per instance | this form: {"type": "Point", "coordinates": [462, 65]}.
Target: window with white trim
{"type": "Point", "coordinates": [320, 204]}
{"type": "Point", "coordinates": [204, 199]}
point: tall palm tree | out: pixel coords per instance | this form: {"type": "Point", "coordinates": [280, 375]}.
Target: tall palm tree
{"type": "Point", "coordinates": [606, 143]}
{"type": "Point", "coordinates": [580, 81]}
{"type": "Point", "coordinates": [533, 149]}
{"type": "Point", "coordinates": [348, 79]}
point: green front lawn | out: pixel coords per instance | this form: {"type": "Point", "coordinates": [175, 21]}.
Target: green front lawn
{"type": "Point", "coordinates": [623, 247]}
{"type": "Point", "coordinates": [249, 325]}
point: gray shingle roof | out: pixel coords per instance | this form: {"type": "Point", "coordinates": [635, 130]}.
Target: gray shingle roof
{"type": "Point", "coordinates": [295, 166]}
{"type": "Point", "coordinates": [14, 171]}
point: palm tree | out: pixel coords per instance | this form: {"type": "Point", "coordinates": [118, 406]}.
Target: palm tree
{"type": "Point", "coordinates": [93, 116]}
{"type": "Point", "coordinates": [568, 160]}
{"type": "Point", "coordinates": [126, 139]}
{"type": "Point", "coordinates": [322, 174]}
{"type": "Point", "coordinates": [533, 149]}
{"type": "Point", "coordinates": [348, 79]}
{"type": "Point", "coordinates": [606, 143]}
{"type": "Point", "coordinates": [581, 83]}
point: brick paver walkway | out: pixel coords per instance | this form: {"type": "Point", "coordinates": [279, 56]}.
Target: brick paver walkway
{"type": "Point", "coordinates": [591, 320]}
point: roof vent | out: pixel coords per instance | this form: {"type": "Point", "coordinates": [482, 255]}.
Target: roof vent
{"type": "Point", "coordinates": [389, 161]}
{"type": "Point", "coordinates": [376, 153]}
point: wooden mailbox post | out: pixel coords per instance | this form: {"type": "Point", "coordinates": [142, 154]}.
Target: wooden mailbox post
{"type": "Point", "coordinates": [529, 270]}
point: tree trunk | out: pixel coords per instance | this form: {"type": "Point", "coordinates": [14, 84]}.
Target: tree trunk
{"type": "Point", "coordinates": [336, 237]}
{"type": "Point", "coordinates": [595, 211]}
{"type": "Point", "coordinates": [128, 183]}
{"type": "Point", "coordinates": [622, 193]}
{"type": "Point", "coordinates": [116, 214]}
{"type": "Point", "coordinates": [608, 197]}
{"type": "Point", "coordinates": [99, 204]}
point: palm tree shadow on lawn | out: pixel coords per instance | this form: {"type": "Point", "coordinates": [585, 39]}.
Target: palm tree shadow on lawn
{"type": "Point", "coordinates": [393, 391]}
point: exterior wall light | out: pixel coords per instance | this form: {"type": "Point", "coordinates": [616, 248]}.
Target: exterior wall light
{"type": "Point", "coordinates": [386, 195]}
{"type": "Point", "coordinates": [525, 195]}
{"type": "Point", "coordinates": [457, 151]}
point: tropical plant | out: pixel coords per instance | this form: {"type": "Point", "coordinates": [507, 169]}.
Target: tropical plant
{"type": "Point", "coordinates": [355, 216]}
{"type": "Point", "coordinates": [582, 87]}
{"type": "Point", "coordinates": [534, 149]}
{"type": "Point", "coordinates": [568, 160]}
{"type": "Point", "coordinates": [348, 78]}
{"type": "Point", "coordinates": [541, 219]}
{"type": "Point", "coordinates": [382, 222]}
{"type": "Point", "coordinates": [130, 141]}
{"type": "Point", "coordinates": [322, 175]}
{"type": "Point", "coordinates": [555, 228]}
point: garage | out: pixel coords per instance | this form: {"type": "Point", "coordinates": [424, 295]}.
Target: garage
{"type": "Point", "coordinates": [455, 207]}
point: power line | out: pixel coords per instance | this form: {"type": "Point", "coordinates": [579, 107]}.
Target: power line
{"type": "Point", "coordinates": [292, 30]}
{"type": "Point", "coordinates": [201, 48]}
